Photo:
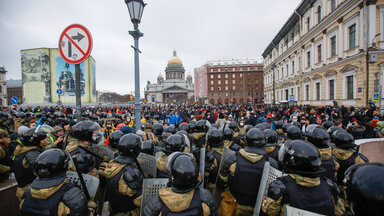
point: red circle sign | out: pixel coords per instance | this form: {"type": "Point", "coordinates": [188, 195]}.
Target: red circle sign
{"type": "Point", "coordinates": [75, 44]}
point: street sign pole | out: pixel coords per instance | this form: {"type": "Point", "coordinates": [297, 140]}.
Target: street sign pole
{"type": "Point", "coordinates": [78, 92]}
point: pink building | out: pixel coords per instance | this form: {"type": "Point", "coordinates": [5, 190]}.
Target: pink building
{"type": "Point", "coordinates": [201, 85]}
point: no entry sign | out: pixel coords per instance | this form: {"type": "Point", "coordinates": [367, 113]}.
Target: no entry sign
{"type": "Point", "coordinates": [75, 44]}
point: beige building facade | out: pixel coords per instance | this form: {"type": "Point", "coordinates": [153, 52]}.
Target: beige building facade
{"type": "Point", "coordinates": [328, 51]}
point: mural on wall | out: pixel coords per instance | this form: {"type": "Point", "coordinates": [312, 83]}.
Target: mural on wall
{"type": "Point", "coordinates": [36, 75]}
{"type": "Point", "coordinates": [66, 79]}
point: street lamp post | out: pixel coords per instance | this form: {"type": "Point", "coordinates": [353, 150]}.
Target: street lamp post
{"type": "Point", "coordinates": [135, 9]}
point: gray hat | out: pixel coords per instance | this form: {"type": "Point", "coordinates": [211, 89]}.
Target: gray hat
{"type": "Point", "coordinates": [22, 129]}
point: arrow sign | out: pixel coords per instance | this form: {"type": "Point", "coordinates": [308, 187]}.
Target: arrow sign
{"type": "Point", "coordinates": [75, 44]}
{"type": "Point", "coordinates": [59, 91]}
{"type": "Point", "coordinates": [14, 100]}
{"type": "Point", "coordinates": [78, 37]}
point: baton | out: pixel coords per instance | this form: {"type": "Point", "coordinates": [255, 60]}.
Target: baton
{"type": "Point", "coordinates": [82, 182]}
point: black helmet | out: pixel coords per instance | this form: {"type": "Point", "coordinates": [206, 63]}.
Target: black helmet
{"type": "Point", "coordinates": [192, 126]}
{"type": "Point", "coordinates": [279, 124]}
{"type": "Point", "coordinates": [157, 129]}
{"type": "Point", "coordinates": [294, 133]}
{"type": "Point", "coordinates": [84, 130]}
{"type": "Point", "coordinates": [248, 127]}
{"type": "Point", "coordinates": [27, 137]}
{"type": "Point", "coordinates": [147, 147]}
{"type": "Point", "coordinates": [270, 137]}
{"type": "Point", "coordinates": [319, 137]}
{"type": "Point", "coordinates": [174, 143]}
{"type": "Point", "coordinates": [297, 124]}
{"type": "Point", "coordinates": [261, 127]}
{"type": "Point", "coordinates": [184, 173]}
{"type": "Point", "coordinates": [266, 125]}
{"type": "Point", "coordinates": [344, 140]}
{"type": "Point", "coordinates": [365, 188]}
{"type": "Point", "coordinates": [255, 141]}
{"type": "Point", "coordinates": [327, 124]}
{"type": "Point", "coordinates": [184, 127]}
{"type": "Point", "coordinates": [286, 126]}
{"type": "Point", "coordinates": [186, 137]}
{"type": "Point", "coordinates": [214, 125]}
{"type": "Point", "coordinates": [233, 126]}
{"type": "Point", "coordinates": [298, 156]}
{"type": "Point", "coordinates": [171, 129]}
{"type": "Point", "coordinates": [331, 131]}
{"type": "Point", "coordinates": [201, 126]}
{"type": "Point", "coordinates": [215, 138]}
{"type": "Point", "coordinates": [114, 138]}
{"type": "Point", "coordinates": [34, 136]}
{"type": "Point", "coordinates": [227, 134]}
{"type": "Point", "coordinates": [50, 167]}
{"type": "Point", "coordinates": [51, 163]}
{"type": "Point", "coordinates": [309, 128]}
{"type": "Point", "coordinates": [129, 145]}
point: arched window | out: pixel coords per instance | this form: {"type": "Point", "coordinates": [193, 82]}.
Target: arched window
{"type": "Point", "coordinates": [318, 14]}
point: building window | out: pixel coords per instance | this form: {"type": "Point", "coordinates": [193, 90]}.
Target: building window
{"type": "Point", "coordinates": [211, 70]}
{"type": "Point", "coordinates": [218, 70]}
{"type": "Point", "coordinates": [293, 67]}
{"type": "Point", "coordinates": [282, 95]}
{"type": "Point", "coordinates": [211, 76]}
{"type": "Point", "coordinates": [331, 89]}
{"type": "Point", "coordinates": [248, 68]}
{"type": "Point", "coordinates": [350, 87]}
{"type": "Point", "coordinates": [212, 88]}
{"type": "Point", "coordinates": [352, 36]}
{"type": "Point", "coordinates": [226, 81]}
{"type": "Point", "coordinates": [226, 75]}
{"type": "Point", "coordinates": [233, 81]}
{"type": "Point", "coordinates": [333, 46]}
{"type": "Point", "coordinates": [211, 82]}
{"type": "Point", "coordinates": [286, 73]}
{"type": "Point", "coordinates": [233, 75]}
{"type": "Point", "coordinates": [308, 59]}
{"type": "Point", "coordinates": [233, 87]}
{"type": "Point", "coordinates": [233, 69]}
{"type": "Point", "coordinates": [298, 93]}
{"type": "Point", "coordinates": [219, 82]}
{"type": "Point", "coordinates": [333, 5]}
{"type": "Point", "coordinates": [308, 23]}
{"type": "Point", "coordinates": [226, 88]}
{"type": "Point", "coordinates": [318, 14]}
{"type": "Point", "coordinates": [241, 75]}
{"type": "Point", "coordinates": [282, 72]}
{"type": "Point", "coordinates": [318, 91]}
{"type": "Point", "coordinates": [219, 88]}
{"type": "Point", "coordinates": [219, 76]}
{"type": "Point", "coordinates": [319, 57]}
{"type": "Point", "coordinates": [307, 92]}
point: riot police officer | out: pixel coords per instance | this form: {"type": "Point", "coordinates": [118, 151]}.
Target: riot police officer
{"type": "Point", "coordinates": [84, 132]}
{"type": "Point", "coordinates": [50, 193]}
{"type": "Point", "coordinates": [294, 133]}
{"type": "Point", "coordinates": [243, 173]}
{"type": "Point", "coordinates": [227, 137]}
{"type": "Point", "coordinates": [124, 180]}
{"type": "Point", "coordinates": [174, 143]}
{"type": "Point", "coordinates": [213, 157]}
{"type": "Point", "coordinates": [303, 187]}
{"type": "Point", "coordinates": [320, 138]}
{"type": "Point", "coordinates": [271, 147]}
{"type": "Point", "coordinates": [198, 137]}
{"type": "Point", "coordinates": [182, 196]}
{"type": "Point", "coordinates": [365, 189]}
{"type": "Point", "coordinates": [280, 133]}
{"type": "Point", "coordinates": [114, 139]}
{"type": "Point", "coordinates": [25, 157]}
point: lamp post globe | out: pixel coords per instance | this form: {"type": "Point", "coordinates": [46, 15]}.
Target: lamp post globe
{"type": "Point", "coordinates": [135, 9]}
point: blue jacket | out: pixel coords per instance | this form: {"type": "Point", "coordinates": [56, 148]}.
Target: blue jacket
{"type": "Point", "coordinates": [173, 119]}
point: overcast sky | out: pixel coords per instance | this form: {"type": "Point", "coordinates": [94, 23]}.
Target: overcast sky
{"type": "Point", "coordinates": [199, 30]}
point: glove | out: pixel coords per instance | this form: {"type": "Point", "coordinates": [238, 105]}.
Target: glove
{"type": "Point", "coordinates": [235, 147]}
{"type": "Point", "coordinates": [92, 207]}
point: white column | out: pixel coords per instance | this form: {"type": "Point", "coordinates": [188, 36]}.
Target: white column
{"type": "Point", "coordinates": [381, 24]}
{"type": "Point", "coordinates": [324, 48]}
{"type": "Point", "coordinates": [361, 28]}
{"type": "Point", "coordinates": [340, 40]}
{"type": "Point", "coordinates": [372, 22]}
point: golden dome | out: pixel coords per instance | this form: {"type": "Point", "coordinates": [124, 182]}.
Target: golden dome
{"type": "Point", "coordinates": [175, 59]}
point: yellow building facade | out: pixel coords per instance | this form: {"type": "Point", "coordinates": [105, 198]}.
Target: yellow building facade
{"type": "Point", "coordinates": [329, 51]}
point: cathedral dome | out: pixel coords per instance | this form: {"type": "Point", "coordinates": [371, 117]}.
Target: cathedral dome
{"type": "Point", "coordinates": [174, 59]}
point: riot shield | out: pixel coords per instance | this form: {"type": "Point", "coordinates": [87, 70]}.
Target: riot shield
{"type": "Point", "coordinates": [291, 211]}
{"type": "Point", "coordinates": [202, 166]}
{"type": "Point", "coordinates": [218, 189]}
{"type": "Point", "coordinates": [269, 175]}
{"type": "Point", "coordinates": [148, 165]}
{"type": "Point", "coordinates": [92, 182]}
{"type": "Point", "coordinates": [151, 188]}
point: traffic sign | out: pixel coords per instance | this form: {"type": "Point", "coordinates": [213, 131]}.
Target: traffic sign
{"type": "Point", "coordinates": [14, 100]}
{"type": "Point", "coordinates": [75, 44]}
{"type": "Point", "coordinates": [14, 105]}
{"type": "Point", "coordinates": [59, 91]}
{"type": "Point", "coordinates": [291, 98]}
{"type": "Point", "coordinates": [376, 96]}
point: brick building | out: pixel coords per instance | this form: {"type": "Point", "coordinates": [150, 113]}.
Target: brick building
{"type": "Point", "coordinates": [15, 88]}
{"type": "Point", "coordinates": [235, 81]}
